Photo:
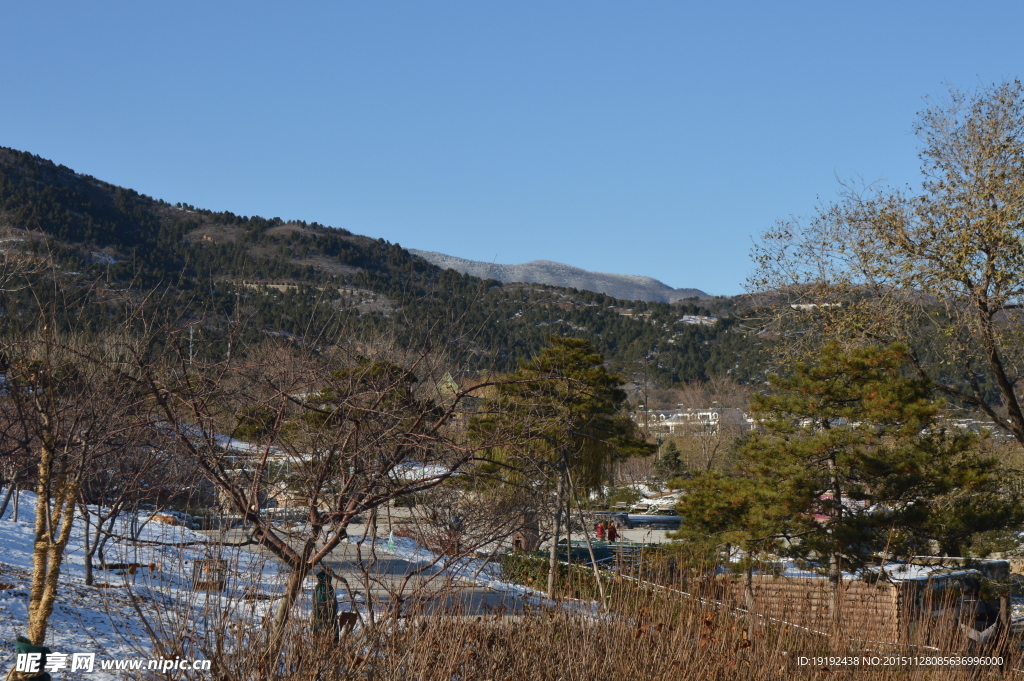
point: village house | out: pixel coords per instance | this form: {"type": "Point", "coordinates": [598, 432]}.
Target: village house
{"type": "Point", "coordinates": [682, 420]}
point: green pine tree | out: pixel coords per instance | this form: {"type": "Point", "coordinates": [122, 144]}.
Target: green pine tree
{"type": "Point", "coordinates": [565, 409]}
{"type": "Point", "coordinates": [851, 465]}
{"type": "Point", "coordinates": [668, 462]}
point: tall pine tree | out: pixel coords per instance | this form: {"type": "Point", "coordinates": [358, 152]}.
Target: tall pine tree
{"type": "Point", "coordinates": [850, 465]}
{"type": "Point", "coordinates": [567, 410]}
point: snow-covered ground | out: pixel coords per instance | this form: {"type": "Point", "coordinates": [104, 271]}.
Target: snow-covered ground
{"type": "Point", "coordinates": [109, 618]}
{"type": "Point", "coordinates": [105, 618]}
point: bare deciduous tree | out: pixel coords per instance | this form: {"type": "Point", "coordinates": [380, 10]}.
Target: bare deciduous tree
{"type": "Point", "coordinates": [717, 417]}
{"type": "Point", "coordinates": [335, 431]}
{"type": "Point", "coordinates": [73, 412]}
{"type": "Point", "coordinates": [139, 472]}
{"type": "Point", "coordinates": [940, 269]}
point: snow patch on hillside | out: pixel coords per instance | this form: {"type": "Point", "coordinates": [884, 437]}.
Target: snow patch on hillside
{"type": "Point", "coordinates": [621, 286]}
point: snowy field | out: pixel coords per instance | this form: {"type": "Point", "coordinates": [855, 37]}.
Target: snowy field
{"type": "Point", "coordinates": [110, 618]}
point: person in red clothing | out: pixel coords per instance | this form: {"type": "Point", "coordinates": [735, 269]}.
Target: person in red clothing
{"type": "Point", "coordinates": [613, 533]}
{"type": "Point", "coordinates": [600, 531]}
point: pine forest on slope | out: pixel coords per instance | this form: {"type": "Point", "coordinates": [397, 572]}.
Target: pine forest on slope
{"type": "Point", "coordinates": [286, 277]}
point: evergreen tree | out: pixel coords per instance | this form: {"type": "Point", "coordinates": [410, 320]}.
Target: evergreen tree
{"type": "Point", "coordinates": [851, 464]}
{"type": "Point", "coordinates": [668, 462]}
{"type": "Point", "coordinates": [567, 409]}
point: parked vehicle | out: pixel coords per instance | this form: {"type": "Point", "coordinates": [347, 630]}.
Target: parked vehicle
{"type": "Point", "coordinates": [655, 518]}
{"type": "Point", "coordinates": [657, 513]}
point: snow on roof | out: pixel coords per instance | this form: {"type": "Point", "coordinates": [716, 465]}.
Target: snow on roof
{"type": "Point", "coordinates": [903, 572]}
{"type": "Point", "coordinates": [421, 471]}
{"type": "Point", "coordinates": [908, 572]}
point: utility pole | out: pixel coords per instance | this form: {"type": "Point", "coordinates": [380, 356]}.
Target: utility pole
{"type": "Point", "coordinates": [647, 405]}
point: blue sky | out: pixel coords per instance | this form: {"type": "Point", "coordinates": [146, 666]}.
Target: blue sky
{"type": "Point", "coordinates": [647, 138]}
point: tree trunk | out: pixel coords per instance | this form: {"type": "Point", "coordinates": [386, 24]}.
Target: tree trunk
{"type": "Point", "coordinates": [1007, 387]}
{"type": "Point", "coordinates": [90, 547]}
{"type": "Point", "coordinates": [48, 554]}
{"type": "Point", "coordinates": [748, 597]}
{"type": "Point", "coordinates": [834, 567]}
{"type": "Point", "coordinates": [292, 592]}
{"type": "Point", "coordinates": [7, 499]}
{"type": "Point", "coordinates": [291, 595]}
{"type": "Point", "coordinates": [41, 543]}
{"type": "Point", "coordinates": [100, 545]}
{"type": "Point", "coordinates": [553, 554]}
{"type": "Point", "coordinates": [590, 550]}
{"type": "Point", "coordinates": [96, 543]}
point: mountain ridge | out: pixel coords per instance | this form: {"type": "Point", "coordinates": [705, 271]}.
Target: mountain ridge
{"type": "Point", "coordinates": [285, 277]}
{"type": "Point", "coordinates": [621, 286]}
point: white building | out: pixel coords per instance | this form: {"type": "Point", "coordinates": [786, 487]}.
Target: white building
{"type": "Point", "coordinates": [679, 421]}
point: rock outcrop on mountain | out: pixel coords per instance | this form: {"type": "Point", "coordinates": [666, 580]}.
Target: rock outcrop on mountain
{"type": "Point", "coordinates": [622, 286]}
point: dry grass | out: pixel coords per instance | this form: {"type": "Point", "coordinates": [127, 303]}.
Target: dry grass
{"type": "Point", "coordinates": [648, 633]}
{"type": "Point", "coordinates": [696, 644]}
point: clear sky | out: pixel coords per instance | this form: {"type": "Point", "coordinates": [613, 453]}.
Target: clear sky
{"type": "Point", "coordinates": [652, 138]}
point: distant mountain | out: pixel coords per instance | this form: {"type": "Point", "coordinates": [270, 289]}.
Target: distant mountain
{"type": "Point", "coordinates": [288, 277]}
{"type": "Point", "coordinates": [621, 286]}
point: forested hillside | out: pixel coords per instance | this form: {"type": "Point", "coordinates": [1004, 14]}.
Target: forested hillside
{"type": "Point", "coordinates": [288, 277]}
